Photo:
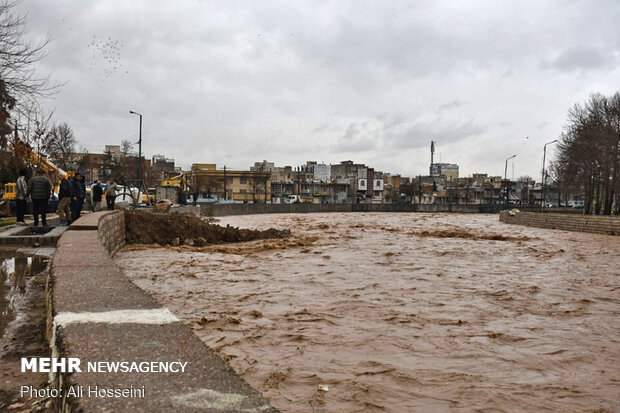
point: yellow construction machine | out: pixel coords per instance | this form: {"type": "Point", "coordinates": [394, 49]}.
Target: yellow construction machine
{"type": "Point", "coordinates": [23, 151]}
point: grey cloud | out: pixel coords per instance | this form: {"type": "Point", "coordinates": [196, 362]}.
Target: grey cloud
{"type": "Point", "coordinates": [419, 134]}
{"type": "Point", "coordinates": [580, 58]}
{"type": "Point", "coordinates": [451, 105]}
{"type": "Point", "coordinates": [357, 138]}
{"type": "Point", "coordinates": [408, 134]}
{"type": "Point", "coordinates": [307, 79]}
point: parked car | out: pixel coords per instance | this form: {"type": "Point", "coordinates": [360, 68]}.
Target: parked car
{"type": "Point", "coordinates": [292, 199]}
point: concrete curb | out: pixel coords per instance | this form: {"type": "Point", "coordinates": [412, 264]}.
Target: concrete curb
{"type": "Point", "coordinates": [95, 313]}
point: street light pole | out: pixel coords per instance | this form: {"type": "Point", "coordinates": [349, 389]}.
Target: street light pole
{"type": "Point", "coordinates": [506, 178]}
{"type": "Point", "coordinates": [543, 178]}
{"type": "Point", "coordinates": [139, 150]}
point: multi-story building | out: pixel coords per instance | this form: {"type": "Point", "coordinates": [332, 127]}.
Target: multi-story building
{"type": "Point", "coordinates": [322, 172]}
{"type": "Point", "coordinates": [105, 166]}
{"type": "Point", "coordinates": [238, 186]}
{"type": "Point", "coordinates": [370, 187]}
{"type": "Point", "coordinates": [391, 188]}
{"type": "Point", "coordinates": [449, 170]}
{"type": "Point", "coordinates": [263, 166]}
{"type": "Point", "coordinates": [283, 174]}
{"type": "Point", "coordinates": [323, 192]}
{"type": "Point", "coordinates": [346, 170]}
{"type": "Point", "coordinates": [163, 167]}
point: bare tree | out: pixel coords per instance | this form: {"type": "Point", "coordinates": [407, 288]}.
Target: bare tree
{"type": "Point", "coordinates": [589, 154]}
{"type": "Point", "coordinates": [19, 57]}
{"type": "Point", "coordinates": [258, 183]}
{"type": "Point", "coordinates": [206, 183]}
{"type": "Point", "coordinates": [127, 147]}
{"type": "Point", "coordinates": [36, 127]}
{"type": "Point", "coordinates": [61, 146]}
{"type": "Point", "coordinates": [82, 161]}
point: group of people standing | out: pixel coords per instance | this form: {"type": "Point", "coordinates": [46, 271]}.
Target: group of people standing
{"type": "Point", "coordinates": [71, 196]}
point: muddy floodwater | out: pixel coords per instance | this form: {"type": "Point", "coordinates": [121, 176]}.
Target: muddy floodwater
{"type": "Point", "coordinates": [403, 312]}
{"type": "Point", "coordinates": [16, 272]}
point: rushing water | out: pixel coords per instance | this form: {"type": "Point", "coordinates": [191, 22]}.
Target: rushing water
{"type": "Point", "coordinates": [404, 312]}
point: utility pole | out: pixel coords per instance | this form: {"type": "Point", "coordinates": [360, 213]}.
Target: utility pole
{"type": "Point", "coordinates": [430, 170]}
{"type": "Point", "coordinates": [139, 150]}
{"type": "Point", "coordinates": [527, 191]}
{"type": "Point", "coordinates": [225, 182]}
{"type": "Point", "coordinates": [545, 187]}
{"type": "Point", "coordinates": [544, 177]}
{"type": "Point", "coordinates": [467, 191]}
{"type": "Point", "coordinates": [419, 189]}
{"type": "Point", "coordinates": [506, 178]}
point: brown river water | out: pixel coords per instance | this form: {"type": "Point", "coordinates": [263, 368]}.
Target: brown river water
{"type": "Point", "coordinates": [403, 312]}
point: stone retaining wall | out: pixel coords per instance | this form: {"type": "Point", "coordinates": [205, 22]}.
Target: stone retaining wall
{"type": "Point", "coordinates": [111, 228]}
{"type": "Point", "coordinates": [597, 224]}
{"type": "Point", "coordinates": [218, 210]}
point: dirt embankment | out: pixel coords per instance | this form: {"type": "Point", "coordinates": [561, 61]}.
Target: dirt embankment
{"type": "Point", "coordinates": [174, 229]}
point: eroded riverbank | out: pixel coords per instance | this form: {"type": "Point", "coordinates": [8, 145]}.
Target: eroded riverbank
{"type": "Point", "coordinates": [401, 312]}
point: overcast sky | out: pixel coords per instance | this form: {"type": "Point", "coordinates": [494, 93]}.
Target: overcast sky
{"type": "Point", "coordinates": [234, 82]}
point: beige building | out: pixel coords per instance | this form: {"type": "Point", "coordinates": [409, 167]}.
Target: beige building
{"type": "Point", "coordinates": [239, 186]}
{"type": "Point", "coordinates": [449, 170]}
{"type": "Point", "coordinates": [203, 167]}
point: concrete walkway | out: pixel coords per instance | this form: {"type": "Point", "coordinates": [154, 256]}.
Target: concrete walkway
{"type": "Point", "coordinates": [101, 316]}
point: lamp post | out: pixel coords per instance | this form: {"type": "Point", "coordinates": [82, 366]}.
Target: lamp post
{"type": "Point", "coordinates": [543, 178]}
{"type": "Point", "coordinates": [506, 177]}
{"type": "Point", "coordinates": [139, 149]}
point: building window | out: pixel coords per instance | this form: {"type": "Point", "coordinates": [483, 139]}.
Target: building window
{"type": "Point", "coordinates": [243, 180]}
{"type": "Point", "coordinates": [229, 180]}
{"type": "Point", "coordinates": [243, 191]}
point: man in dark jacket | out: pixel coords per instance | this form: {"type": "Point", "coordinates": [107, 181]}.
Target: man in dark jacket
{"type": "Point", "coordinates": [65, 193]}
{"type": "Point", "coordinates": [97, 193]}
{"type": "Point", "coordinates": [39, 190]}
{"type": "Point", "coordinates": [79, 194]}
